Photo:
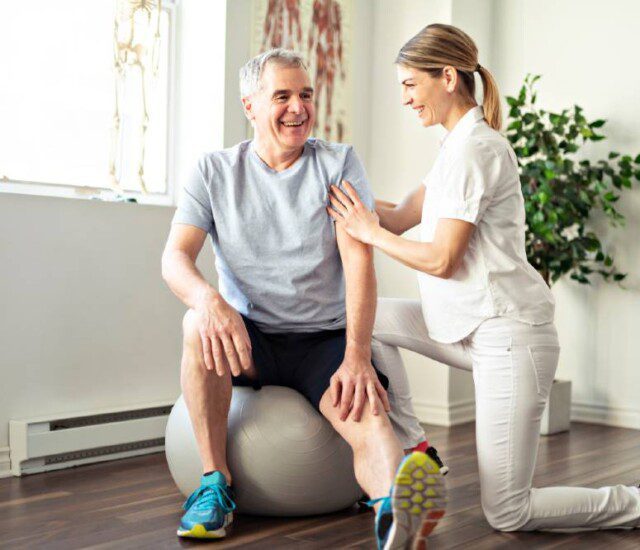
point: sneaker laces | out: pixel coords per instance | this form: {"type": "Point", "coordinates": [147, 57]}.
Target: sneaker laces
{"type": "Point", "coordinates": [371, 503]}
{"type": "Point", "coordinates": [206, 496]}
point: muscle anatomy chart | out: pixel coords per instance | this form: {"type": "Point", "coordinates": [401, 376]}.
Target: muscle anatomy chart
{"type": "Point", "coordinates": [281, 25]}
{"type": "Point", "coordinates": [320, 31]}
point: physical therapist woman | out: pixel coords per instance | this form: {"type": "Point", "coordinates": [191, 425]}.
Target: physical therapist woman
{"type": "Point", "coordinates": [484, 308]}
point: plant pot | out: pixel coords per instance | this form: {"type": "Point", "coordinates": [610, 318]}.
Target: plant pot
{"type": "Point", "coordinates": [556, 417]}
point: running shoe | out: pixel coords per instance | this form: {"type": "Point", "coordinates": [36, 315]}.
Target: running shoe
{"type": "Point", "coordinates": [415, 505]}
{"type": "Point", "coordinates": [424, 447]}
{"type": "Point", "coordinates": [384, 519]}
{"type": "Point", "coordinates": [209, 509]}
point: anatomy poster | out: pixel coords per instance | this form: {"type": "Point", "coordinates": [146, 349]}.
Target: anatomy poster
{"type": "Point", "coordinates": [320, 30]}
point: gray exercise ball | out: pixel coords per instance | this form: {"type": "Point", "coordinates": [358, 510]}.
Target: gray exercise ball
{"type": "Point", "coordinates": [285, 458]}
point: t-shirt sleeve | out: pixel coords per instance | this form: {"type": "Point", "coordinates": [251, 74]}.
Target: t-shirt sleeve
{"type": "Point", "coordinates": [194, 204]}
{"type": "Point", "coordinates": [355, 174]}
{"type": "Point", "coordinates": [469, 184]}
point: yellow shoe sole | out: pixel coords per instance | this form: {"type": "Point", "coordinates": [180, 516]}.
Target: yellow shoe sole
{"type": "Point", "coordinates": [198, 531]}
{"type": "Point", "coordinates": [418, 500]}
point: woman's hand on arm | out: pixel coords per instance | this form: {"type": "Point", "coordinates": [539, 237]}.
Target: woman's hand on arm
{"type": "Point", "coordinates": [353, 216]}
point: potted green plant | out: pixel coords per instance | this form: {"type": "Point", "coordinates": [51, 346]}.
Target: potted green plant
{"type": "Point", "coordinates": [562, 190]}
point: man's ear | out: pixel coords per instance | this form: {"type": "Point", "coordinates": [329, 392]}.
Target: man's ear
{"type": "Point", "coordinates": [248, 107]}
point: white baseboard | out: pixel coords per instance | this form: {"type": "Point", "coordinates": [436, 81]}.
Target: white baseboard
{"type": "Point", "coordinates": [5, 462]}
{"type": "Point", "coordinates": [605, 414]}
{"type": "Point", "coordinates": [445, 414]}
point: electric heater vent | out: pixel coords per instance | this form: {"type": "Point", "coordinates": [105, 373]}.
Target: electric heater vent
{"type": "Point", "coordinates": [66, 423]}
{"type": "Point", "coordinates": [45, 444]}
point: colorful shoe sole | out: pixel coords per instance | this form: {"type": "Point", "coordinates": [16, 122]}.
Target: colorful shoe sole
{"type": "Point", "coordinates": [418, 499]}
{"type": "Point", "coordinates": [199, 531]}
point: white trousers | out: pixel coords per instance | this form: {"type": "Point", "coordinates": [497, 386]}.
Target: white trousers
{"type": "Point", "coordinates": [513, 367]}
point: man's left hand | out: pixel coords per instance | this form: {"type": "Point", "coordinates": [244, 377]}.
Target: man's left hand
{"type": "Point", "coordinates": [355, 382]}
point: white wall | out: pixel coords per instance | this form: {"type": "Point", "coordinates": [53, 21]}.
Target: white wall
{"type": "Point", "coordinates": [587, 52]}
{"type": "Point", "coordinates": [199, 120]}
{"type": "Point", "coordinates": [238, 50]}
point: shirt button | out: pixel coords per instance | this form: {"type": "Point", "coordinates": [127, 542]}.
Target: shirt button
{"type": "Point", "coordinates": [250, 305]}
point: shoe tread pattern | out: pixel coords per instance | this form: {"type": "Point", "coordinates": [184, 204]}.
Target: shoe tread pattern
{"type": "Point", "coordinates": [418, 501]}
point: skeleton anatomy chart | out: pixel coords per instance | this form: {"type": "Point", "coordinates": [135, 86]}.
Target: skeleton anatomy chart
{"type": "Point", "coordinates": [136, 60]}
{"type": "Point", "coordinates": [320, 31]}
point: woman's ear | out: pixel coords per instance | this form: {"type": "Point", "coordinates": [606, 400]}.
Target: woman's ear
{"type": "Point", "coordinates": [450, 78]}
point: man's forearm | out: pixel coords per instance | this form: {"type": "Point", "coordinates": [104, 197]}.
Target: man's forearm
{"type": "Point", "coordinates": [185, 280]}
{"type": "Point", "coordinates": [361, 298]}
{"type": "Point", "coordinates": [361, 293]}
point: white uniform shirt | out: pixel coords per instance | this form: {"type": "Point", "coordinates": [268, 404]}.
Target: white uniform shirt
{"type": "Point", "coordinates": [475, 179]}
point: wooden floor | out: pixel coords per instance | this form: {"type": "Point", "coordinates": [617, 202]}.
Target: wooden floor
{"type": "Point", "coordinates": [133, 503]}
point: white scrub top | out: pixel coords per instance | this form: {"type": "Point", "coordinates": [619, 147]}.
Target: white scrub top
{"type": "Point", "coordinates": [475, 179]}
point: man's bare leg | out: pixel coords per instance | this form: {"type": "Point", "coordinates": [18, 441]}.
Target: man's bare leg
{"type": "Point", "coordinates": [417, 500]}
{"type": "Point", "coordinates": [377, 452]}
{"type": "Point", "coordinates": [208, 398]}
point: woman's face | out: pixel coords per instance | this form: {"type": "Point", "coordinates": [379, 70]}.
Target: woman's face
{"type": "Point", "coordinates": [428, 95]}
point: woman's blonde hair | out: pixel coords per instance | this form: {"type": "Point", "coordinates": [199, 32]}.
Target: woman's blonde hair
{"type": "Point", "coordinates": [438, 46]}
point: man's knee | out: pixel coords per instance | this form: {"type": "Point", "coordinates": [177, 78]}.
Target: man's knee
{"type": "Point", "coordinates": [190, 327]}
{"type": "Point", "coordinates": [369, 424]}
{"type": "Point", "coordinates": [191, 344]}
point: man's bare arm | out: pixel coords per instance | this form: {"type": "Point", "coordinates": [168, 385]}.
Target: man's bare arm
{"type": "Point", "coordinates": [179, 265]}
{"type": "Point", "coordinates": [360, 291]}
{"type": "Point", "coordinates": [356, 380]}
{"type": "Point", "coordinates": [225, 341]}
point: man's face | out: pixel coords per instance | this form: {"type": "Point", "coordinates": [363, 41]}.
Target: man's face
{"type": "Point", "coordinates": [282, 110]}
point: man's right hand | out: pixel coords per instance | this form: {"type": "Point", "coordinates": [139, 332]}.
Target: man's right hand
{"type": "Point", "coordinates": [225, 341]}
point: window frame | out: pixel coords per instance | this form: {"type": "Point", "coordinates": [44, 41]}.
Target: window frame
{"type": "Point", "coordinates": [168, 198]}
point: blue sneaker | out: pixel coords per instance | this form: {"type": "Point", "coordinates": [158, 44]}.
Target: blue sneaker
{"type": "Point", "coordinates": [384, 519]}
{"type": "Point", "coordinates": [414, 506]}
{"type": "Point", "coordinates": [209, 509]}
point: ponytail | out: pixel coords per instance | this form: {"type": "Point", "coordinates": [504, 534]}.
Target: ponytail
{"type": "Point", "coordinates": [491, 99]}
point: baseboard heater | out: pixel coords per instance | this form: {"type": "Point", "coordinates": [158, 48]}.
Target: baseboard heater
{"type": "Point", "coordinates": [52, 443]}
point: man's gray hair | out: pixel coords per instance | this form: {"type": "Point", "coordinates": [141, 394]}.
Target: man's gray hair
{"type": "Point", "coordinates": [251, 72]}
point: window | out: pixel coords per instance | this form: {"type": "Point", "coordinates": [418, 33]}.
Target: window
{"type": "Point", "coordinates": [58, 133]}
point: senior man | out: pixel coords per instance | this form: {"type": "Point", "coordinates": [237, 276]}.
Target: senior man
{"type": "Point", "coordinates": [296, 299]}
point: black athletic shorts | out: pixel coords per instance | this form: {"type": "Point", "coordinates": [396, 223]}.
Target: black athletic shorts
{"type": "Point", "coordinates": [303, 361]}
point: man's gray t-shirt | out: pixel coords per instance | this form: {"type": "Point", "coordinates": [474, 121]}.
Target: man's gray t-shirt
{"type": "Point", "coordinates": [275, 245]}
